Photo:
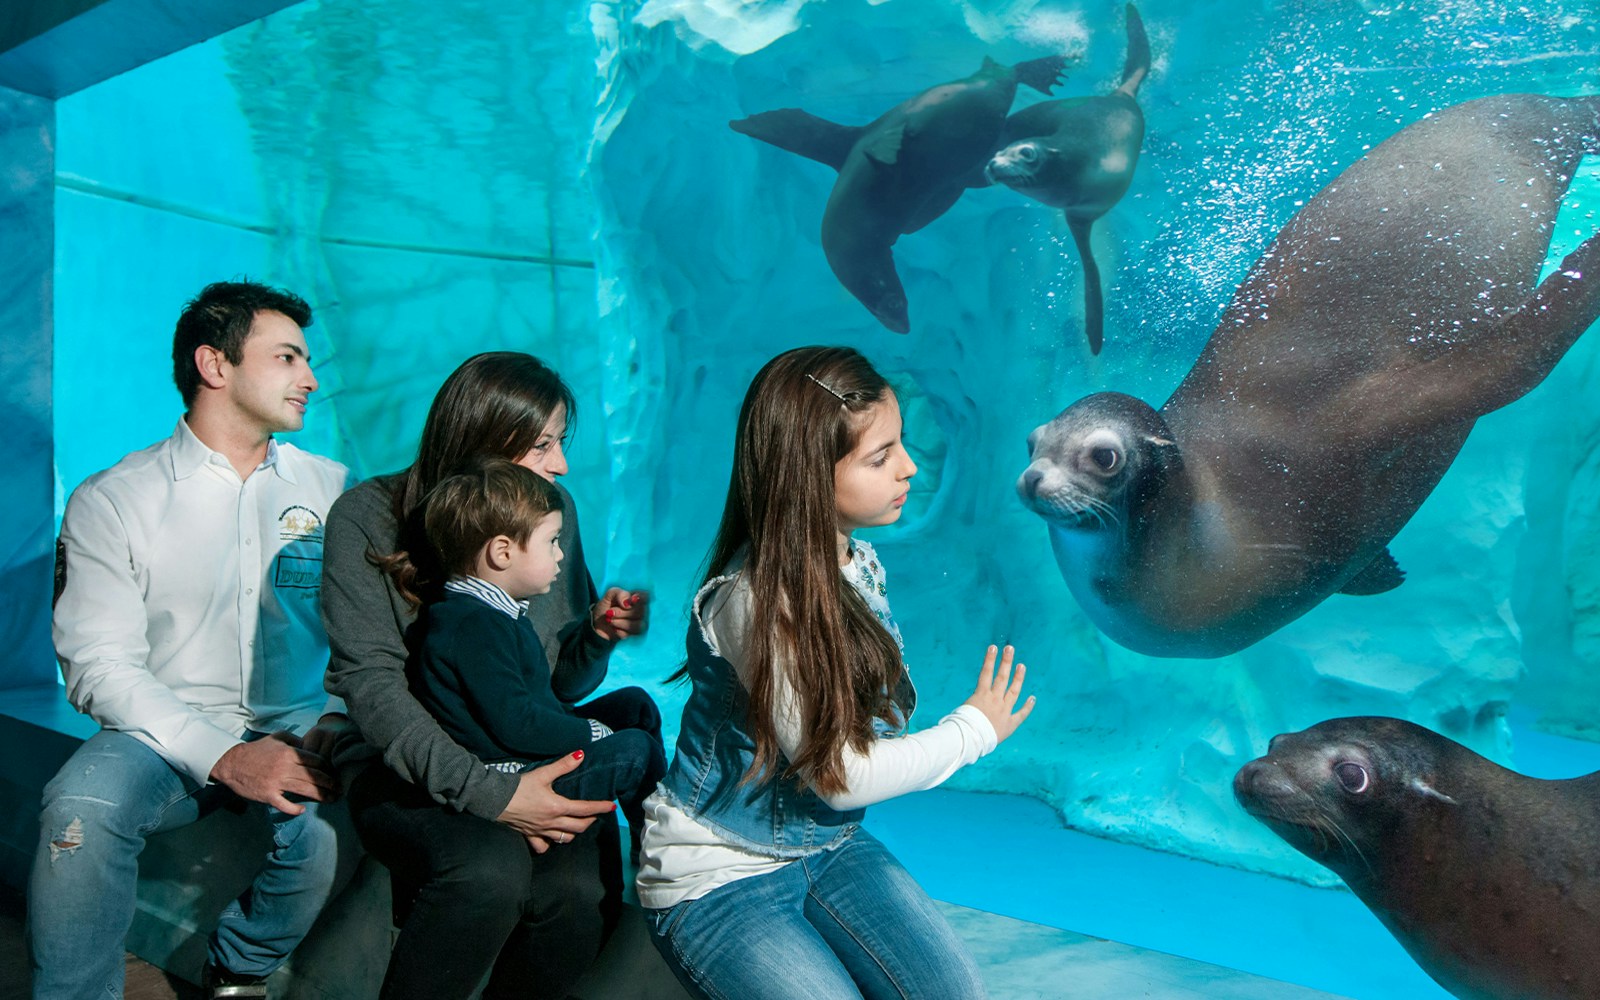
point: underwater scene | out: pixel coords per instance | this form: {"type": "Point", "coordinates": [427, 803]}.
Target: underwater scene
{"type": "Point", "coordinates": [1240, 347]}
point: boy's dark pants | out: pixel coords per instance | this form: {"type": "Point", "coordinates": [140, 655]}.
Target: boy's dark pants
{"type": "Point", "coordinates": [625, 765]}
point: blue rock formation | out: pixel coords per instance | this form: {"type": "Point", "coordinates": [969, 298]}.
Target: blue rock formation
{"type": "Point", "coordinates": [444, 179]}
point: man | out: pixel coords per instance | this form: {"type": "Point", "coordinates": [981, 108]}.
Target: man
{"type": "Point", "coordinates": [189, 628]}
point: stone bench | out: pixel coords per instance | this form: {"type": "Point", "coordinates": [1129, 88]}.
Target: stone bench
{"type": "Point", "coordinates": [188, 875]}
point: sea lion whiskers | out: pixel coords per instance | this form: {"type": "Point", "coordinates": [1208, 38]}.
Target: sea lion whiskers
{"type": "Point", "coordinates": [1313, 816]}
{"type": "Point", "coordinates": [1104, 513]}
{"type": "Point", "coordinates": [1075, 508]}
{"type": "Point", "coordinates": [1355, 847]}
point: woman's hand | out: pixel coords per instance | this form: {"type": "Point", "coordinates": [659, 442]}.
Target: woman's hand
{"type": "Point", "coordinates": [545, 817]}
{"type": "Point", "coordinates": [620, 613]}
{"type": "Point", "coordinates": [997, 694]}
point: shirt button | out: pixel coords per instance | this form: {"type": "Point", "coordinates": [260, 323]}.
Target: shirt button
{"type": "Point", "coordinates": [249, 590]}
{"type": "Point", "coordinates": [249, 541]}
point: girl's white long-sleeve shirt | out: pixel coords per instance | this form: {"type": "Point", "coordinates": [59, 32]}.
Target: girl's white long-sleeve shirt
{"type": "Point", "coordinates": [683, 859]}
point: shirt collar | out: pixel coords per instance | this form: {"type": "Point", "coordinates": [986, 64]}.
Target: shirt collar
{"type": "Point", "coordinates": [189, 454]}
{"type": "Point", "coordinates": [488, 593]}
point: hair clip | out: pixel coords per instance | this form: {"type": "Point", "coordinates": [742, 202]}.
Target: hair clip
{"type": "Point", "coordinates": [827, 387]}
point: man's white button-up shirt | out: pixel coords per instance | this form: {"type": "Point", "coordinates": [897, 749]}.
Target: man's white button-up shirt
{"type": "Point", "coordinates": [192, 603]}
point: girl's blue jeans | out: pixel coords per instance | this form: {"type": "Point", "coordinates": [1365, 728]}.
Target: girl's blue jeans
{"type": "Point", "coordinates": [846, 923]}
{"type": "Point", "coordinates": [111, 795]}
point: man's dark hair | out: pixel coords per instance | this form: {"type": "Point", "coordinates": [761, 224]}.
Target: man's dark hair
{"type": "Point", "coordinates": [220, 317]}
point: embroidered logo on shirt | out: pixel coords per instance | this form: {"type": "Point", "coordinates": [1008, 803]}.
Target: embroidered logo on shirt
{"type": "Point", "coordinates": [297, 573]}
{"type": "Point", "coordinates": [299, 524]}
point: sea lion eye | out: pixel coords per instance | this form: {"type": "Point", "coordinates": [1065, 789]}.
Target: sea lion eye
{"type": "Point", "coordinates": [1105, 459]}
{"type": "Point", "coordinates": [1352, 777]}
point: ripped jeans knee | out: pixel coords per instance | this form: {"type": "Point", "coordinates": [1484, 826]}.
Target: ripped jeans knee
{"type": "Point", "coordinates": [68, 840]}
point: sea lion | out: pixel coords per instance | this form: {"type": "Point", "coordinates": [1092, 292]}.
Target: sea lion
{"type": "Point", "coordinates": [1397, 307]}
{"type": "Point", "coordinates": [902, 171]}
{"type": "Point", "coordinates": [1491, 880]}
{"type": "Point", "coordinates": [1078, 155]}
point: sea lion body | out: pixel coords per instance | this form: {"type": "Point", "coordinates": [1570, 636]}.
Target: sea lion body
{"type": "Point", "coordinates": [1398, 306]}
{"type": "Point", "coordinates": [901, 171]}
{"type": "Point", "coordinates": [1488, 878]}
{"type": "Point", "coordinates": [1078, 155]}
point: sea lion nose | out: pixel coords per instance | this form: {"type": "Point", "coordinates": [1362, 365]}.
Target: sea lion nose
{"type": "Point", "coordinates": [1259, 780]}
{"type": "Point", "coordinates": [1028, 485]}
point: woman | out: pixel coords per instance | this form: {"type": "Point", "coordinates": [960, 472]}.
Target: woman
{"type": "Point", "coordinates": [495, 874]}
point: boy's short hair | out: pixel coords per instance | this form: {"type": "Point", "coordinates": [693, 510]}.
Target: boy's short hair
{"type": "Point", "coordinates": [496, 497]}
{"type": "Point", "coordinates": [221, 317]}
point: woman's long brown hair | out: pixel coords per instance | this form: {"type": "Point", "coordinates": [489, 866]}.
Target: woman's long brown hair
{"type": "Point", "coordinates": [495, 405]}
{"type": "Point", "coordinates": [804, 412]}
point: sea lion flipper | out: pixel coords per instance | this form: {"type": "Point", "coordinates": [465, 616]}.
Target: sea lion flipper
{"type": "Point", "coordinates": [1093, 301]}
{"type": "Point", "coordinates": [802, 133]}
{"type": "Point", "coordinates": [1137, 64]}
{"type": "Point", "coordinates": [1381, 575]}
{"type": "Point", "coordinates": [1492, 370]}
{"type": "Point", "coordinates": [1042, 74]}
{"type": "Point", "coordinates": [884, 146]}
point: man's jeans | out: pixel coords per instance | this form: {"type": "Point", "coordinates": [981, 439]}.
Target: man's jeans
{"type": "Point", "coordinates": [843, 923]}
{"type": "Point", "coordinates": [98, 809]}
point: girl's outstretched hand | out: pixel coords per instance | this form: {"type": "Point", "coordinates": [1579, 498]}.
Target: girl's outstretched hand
{"type": "Point", "coordinates": [997, 693]}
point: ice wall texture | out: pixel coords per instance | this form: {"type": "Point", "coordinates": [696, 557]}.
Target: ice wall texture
{"type": "Point", "coordinates": [416, 173]}
{"type": "Point", "coordinates": [712, 240]}
{"type": "Point", "coordinates": [27, 147]}
{"type": "Point", "coordinates": [559, 178]}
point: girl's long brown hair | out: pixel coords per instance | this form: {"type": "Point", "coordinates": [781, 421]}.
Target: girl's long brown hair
{"type": "Point", "coordinates": [804, 412]}
{"type": "Point", "coordinates": [495, 405]}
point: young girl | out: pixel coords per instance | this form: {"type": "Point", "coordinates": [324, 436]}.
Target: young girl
{"type": "Point", "coordinates": [759, 881]}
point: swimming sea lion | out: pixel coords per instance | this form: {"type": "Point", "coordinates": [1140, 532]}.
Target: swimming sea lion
{"type": "Point", "coordinates": [1397, 307]}
{"type": "Point", "coordinates": [1491, 880]}
{"type": "Point", "coordinates": [902, 171]}
{"type": "Point", "coordinates": [1078, 155]}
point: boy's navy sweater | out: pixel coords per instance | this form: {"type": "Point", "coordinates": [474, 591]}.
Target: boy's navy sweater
{"type": "Point", "coordinates": [485, 677]}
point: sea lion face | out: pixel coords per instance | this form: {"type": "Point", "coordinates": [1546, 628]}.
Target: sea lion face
{"type": "Point", "coordinates": [1032, 168]}
{"type": "Point", "coordinates": [1088, 461]}
{"type": "Point", "coordinates": [1336, 791]}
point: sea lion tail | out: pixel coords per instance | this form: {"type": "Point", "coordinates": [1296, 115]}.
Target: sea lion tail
{"type": "Point", "coordinates": [1093, 303]}
{"type": "Point", "coordinates": [1137, 65]}
{"type": "Point", "coordinates": [1042, 74]}
{"type": "Point", "coordinates": [803, 133]}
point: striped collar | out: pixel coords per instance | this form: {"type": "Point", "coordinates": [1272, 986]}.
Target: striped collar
{"type": "Point", "coordinates": [488, 593]}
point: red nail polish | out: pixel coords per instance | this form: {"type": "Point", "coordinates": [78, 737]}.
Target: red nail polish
{"type": "Point", "coordinates": [577, 755]}
{"type": "Point", "coordinates": [610, 615]}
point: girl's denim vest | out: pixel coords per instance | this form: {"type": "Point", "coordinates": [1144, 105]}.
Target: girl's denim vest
{"type": "Point", "coordinates": [773, 816]}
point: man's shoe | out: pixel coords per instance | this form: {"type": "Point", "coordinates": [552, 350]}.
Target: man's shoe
{"type": "Point", "coordinates": [220, 984]}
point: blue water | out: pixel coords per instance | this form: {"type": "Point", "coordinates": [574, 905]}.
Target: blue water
{"type": "Point", "coordinates": [1010, 855]}
{"type": "Point", "coordinates": [441, 179]}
